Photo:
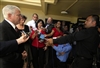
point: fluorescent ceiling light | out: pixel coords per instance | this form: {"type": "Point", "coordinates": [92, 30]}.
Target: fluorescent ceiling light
{"type": "Point", "coordinates": [64, 12]}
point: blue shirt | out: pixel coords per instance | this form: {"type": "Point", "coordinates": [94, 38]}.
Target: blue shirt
{"type": "Point", "coordinates": [66, 48]}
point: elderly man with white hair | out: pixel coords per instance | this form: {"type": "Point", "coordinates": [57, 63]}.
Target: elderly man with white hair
{"type": "Point", "coordinates": [8, 32]}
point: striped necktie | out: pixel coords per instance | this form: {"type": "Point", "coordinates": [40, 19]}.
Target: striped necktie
{"type": "Point", "coordinates": [16, 29]}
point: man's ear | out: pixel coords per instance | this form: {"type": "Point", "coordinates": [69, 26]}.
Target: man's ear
{"type": "Point", "coordinates": [9, 15]}
{"type": "Point", "coordinates": [94, 23]}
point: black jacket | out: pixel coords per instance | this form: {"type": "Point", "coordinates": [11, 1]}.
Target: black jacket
{"type": "Point", "coordinates": [87, 41]}
{"type": "Point", "coordinates": [12, 59]}
{"type": "Point", "coordinates": [49, 28]}
{"type": "Point", "coordinates": [8, 46]}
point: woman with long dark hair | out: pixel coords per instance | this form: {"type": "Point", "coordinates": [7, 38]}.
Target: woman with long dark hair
{"type": "Point", "coordinates": [38, 45]}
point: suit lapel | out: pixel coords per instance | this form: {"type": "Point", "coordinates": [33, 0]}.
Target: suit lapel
{"type": "Point", "coordinates": [10, 28]}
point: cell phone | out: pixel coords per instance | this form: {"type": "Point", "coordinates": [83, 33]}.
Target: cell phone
{"type": "Point", "coordinates": [26, 33]}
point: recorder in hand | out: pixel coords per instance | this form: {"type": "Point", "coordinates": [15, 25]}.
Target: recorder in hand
{"type": "Point", "coordinates": [26, 33]}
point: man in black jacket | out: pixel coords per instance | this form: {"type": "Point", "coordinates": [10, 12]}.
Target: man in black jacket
{"type": "Point", "coordinates": [49, 25]}
{"type": "Point", "coordinates": [87, 41]}
{"type": "Point", "coordinates": [12, 15]}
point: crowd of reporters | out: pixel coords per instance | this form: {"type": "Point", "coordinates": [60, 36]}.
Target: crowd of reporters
{"type": "Point", "coordinates": [33, 51]}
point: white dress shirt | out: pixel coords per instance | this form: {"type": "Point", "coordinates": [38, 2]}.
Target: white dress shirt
{"type": "Point", "coordinates": [32, 24]}
{"type": "Point", "coordinates": [10, 23]}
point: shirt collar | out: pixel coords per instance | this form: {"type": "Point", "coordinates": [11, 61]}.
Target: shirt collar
{"type": "Point", "coordinates": [33, 20]}
{"type": "Point", "coordinates": [10, 23]}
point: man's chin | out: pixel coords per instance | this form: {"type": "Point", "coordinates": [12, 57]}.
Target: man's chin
{"type": "Point", "coordinates": [85, 26]}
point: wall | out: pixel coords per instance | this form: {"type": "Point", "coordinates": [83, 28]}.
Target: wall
{"type": "Point", "coordinates": [28, 12]}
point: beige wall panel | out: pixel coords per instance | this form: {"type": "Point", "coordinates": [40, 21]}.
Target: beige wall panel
{"type": "Point", "coordinates": [28, 12]}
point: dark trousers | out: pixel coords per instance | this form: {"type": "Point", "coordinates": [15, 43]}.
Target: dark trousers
{"type": "Point", "coordinates": [81, 62]}
{"type": "Point", "coordinates": [98, 64]}
{"type": "Point", "coordinates": [98, 58]}
{"type": "Point", "coordinates": [51, 58]}
{"type": "Point", "coordinates": [6, 64]}
{"type": "Point", "coordinates": [61, 64]}
{"type": "Point", "coordinates": [3, 65]}
{"type": "Point", "coordinates": [38, 57]}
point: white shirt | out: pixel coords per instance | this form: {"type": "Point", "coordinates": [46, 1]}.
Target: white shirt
{"type": "Point", "coordinates": [10, 23]}
{"type": "Point", "coordinates": [32, 23]}
{"type": "Point", "coordinates": [47, 25]}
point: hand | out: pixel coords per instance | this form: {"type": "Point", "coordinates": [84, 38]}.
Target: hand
{"type": "Point", "coordinates": [45, 48]}
{"type": "Point", "coordinates": [24, 55]}
{"type": "Point", "coordinates": [43, 29]}
{"type": "Point", "coordinates": [31, 28]}
{"type": "Point", "coordinates": [36, 32]}
{"type": "Point", "coordinates": [22, 39]}
{"type": "Point", "coordinates": [61, 53]}
{"type": "Point", "coordinates": [45, 35]}
{"type": "Point", "coordinates": [49, 42]}
{"type": "Point", "coordinates": [58, 36]}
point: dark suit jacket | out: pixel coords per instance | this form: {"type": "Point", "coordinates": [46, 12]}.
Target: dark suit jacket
{"type": "Point", "coordinates": [49, 28]}
{"type": "Point", "coordinates": [8, 46]}
{"type": "Point", "coordinates": [12, 59]}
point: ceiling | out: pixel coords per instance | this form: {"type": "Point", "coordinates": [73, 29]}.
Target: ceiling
{"type": "Point", "coordinates": [78, 8]}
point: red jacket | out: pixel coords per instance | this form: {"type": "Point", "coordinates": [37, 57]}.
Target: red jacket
{"type": "Point", "coordinates": [36, 42]}
{"type": "Point", "coordinates": [56, 34]}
